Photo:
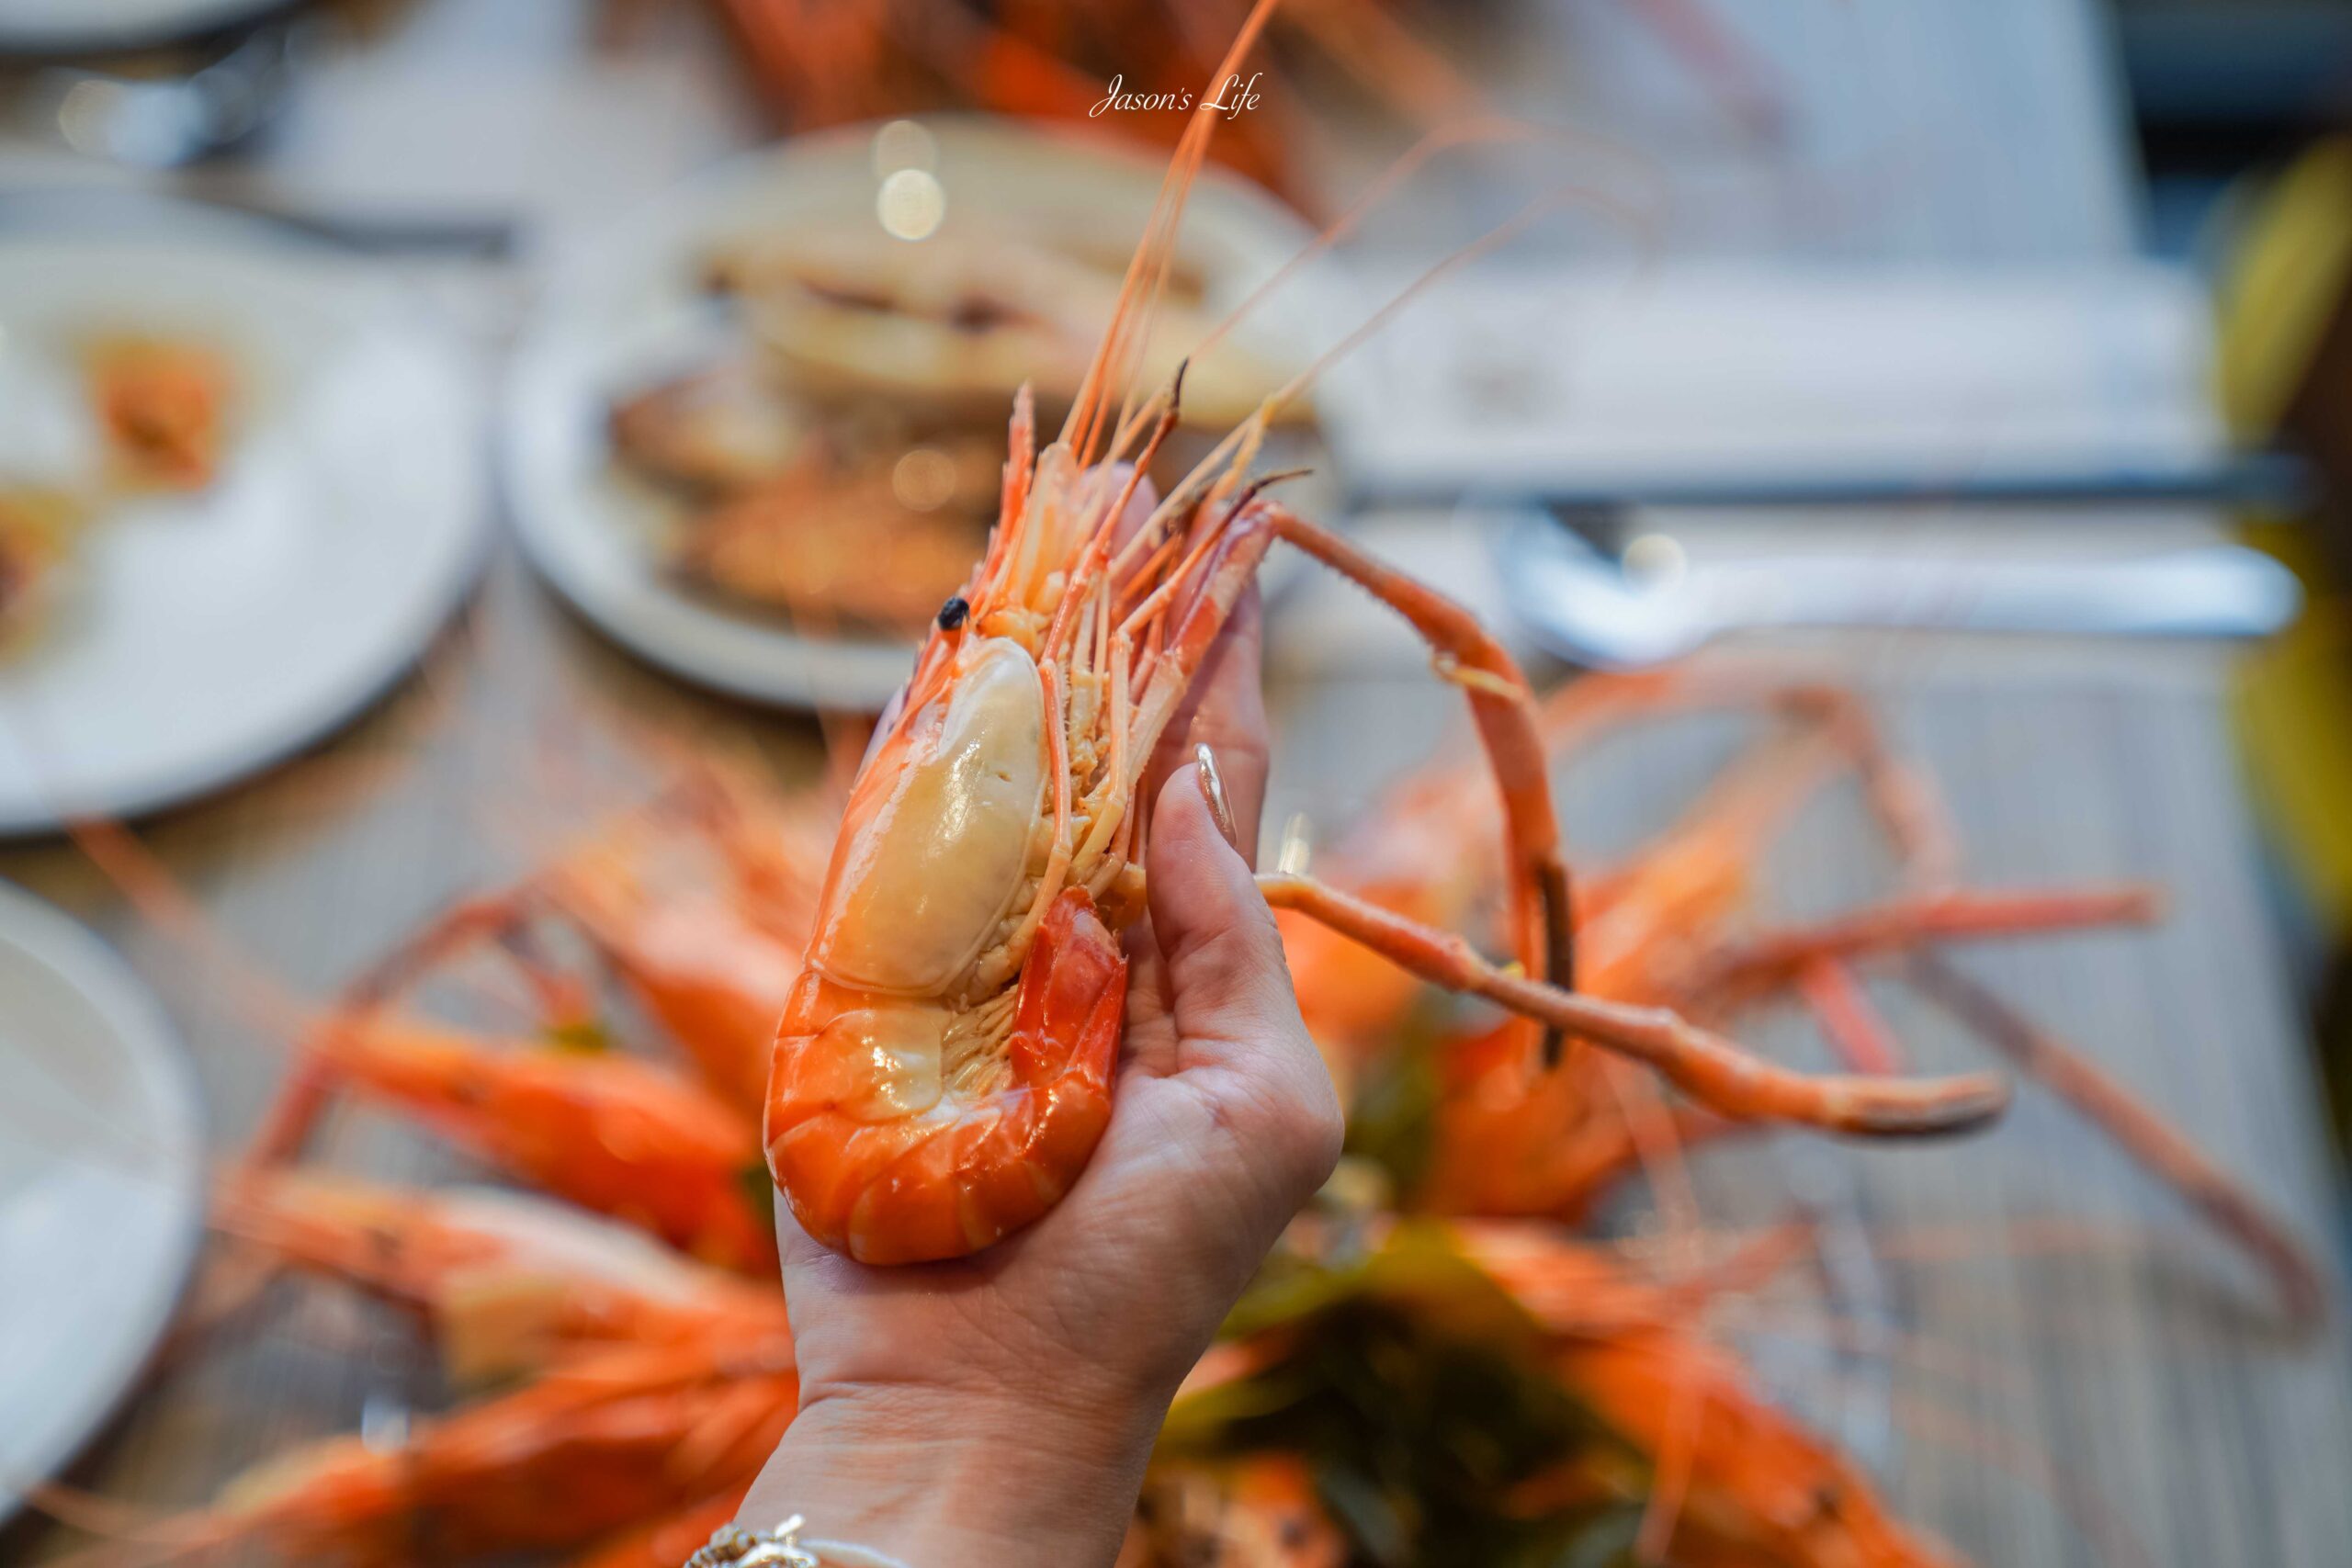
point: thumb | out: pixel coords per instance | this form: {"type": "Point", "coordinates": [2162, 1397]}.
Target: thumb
{"type": "Point", "coordinates": [1239, 1039]}
{"type": "Point", "coordinates": [1228, 982]}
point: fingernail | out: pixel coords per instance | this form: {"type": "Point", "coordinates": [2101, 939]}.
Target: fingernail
{"type": "Point", "coordinates": [1213, 791]}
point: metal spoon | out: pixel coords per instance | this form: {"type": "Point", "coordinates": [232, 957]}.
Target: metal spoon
{"type": "Point", "coordinates": [1586, 608]}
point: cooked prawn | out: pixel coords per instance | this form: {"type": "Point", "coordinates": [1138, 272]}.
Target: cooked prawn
{"type": "Point", "coordinates": [943, 1068]}
{"type": "Point", "coordinates": [614, 1133]}
{"type": "Point", "coordinates": [508, 1280]}
{"type": "Point", "coordinates": [587, 1450]}
{"type": "Point", "coordinates": [1613, 1355]}
{"type": "Point", "coordinates": [1259, 1511]}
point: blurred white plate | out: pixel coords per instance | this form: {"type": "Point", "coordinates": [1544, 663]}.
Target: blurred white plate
{"type": "Point", "coordinates": [101, 1185]}
{"type": "Point", "coordinates": [200, 637]}
{"type": "Point", "coordinates": [56, 26]}
{"type": "Point", "coordinates": [626, 305]}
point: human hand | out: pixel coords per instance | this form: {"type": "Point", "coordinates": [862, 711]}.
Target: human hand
{"type": "Point", "coordinates": [999, 1408]}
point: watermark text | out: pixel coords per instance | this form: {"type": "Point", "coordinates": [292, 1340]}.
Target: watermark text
{"type": "Point", "coordinates": [1231, 100]}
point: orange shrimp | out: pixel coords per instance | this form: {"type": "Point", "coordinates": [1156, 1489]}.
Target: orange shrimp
{"type": "Point", "coordinates": [1624, 1350]}
{"type": "Point", "coordinates": [1758, 1488]}
{"type": "Point", "coordinates": [943, 1068]}
{"type": "Point", "coordinates": [585, 1450]}
{"type": "Point", "coordinates": [620, 1135]}
{"type": "Point", "coordinates": [943, 1071]}
{"type": "Point", "coordinates": [699, 903]}
{"type": "Point", "coordinates": [1760, 1491]}
{"type": "Point", "coordinates": [1419, 851]}
{"type": "Point", "coordinates": [707, 934]}
{"type": "Point", "coordinates": [1660, 929]}
{"type": "Point", "coordinates": [1653, 931]}
{"type": "Point", "coordinates": [508, 1280]}
{"type": "Point", "coordinates": [1257, 1511]}
{"type": "Point", "coordinates": [1508, 1141]}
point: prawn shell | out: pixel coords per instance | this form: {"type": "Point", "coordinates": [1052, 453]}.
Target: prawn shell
{"type": "Point", "coordinates": [970, 1171]}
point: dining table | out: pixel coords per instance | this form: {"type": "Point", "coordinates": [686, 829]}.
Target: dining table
{"type": "Point", "coordinates": [2052, 1357]}
{"type": "Point", "coordinates": [2035, 1347]}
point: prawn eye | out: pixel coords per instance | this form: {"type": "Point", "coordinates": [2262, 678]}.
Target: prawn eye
{"type": "Point", "coordinates": [952, 614]}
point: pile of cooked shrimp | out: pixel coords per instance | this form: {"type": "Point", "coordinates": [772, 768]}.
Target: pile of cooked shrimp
{"type": "Point", "coordinates": [1442, 1361]}
{"type": "Point", "coordinates": [900, 1013]}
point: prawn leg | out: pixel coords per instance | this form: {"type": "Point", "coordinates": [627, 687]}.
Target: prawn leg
{"type": "Point", "coordinates": [496, 920]}
{"type": "Point", "coordinates": [2104, 1102]}
{"type": "Point", "coordinates": [1466, 654]}
{"type": "Point", "coordinates": [1726, 1077]}
{"type": "Point", "coordinates": [1776, 959]}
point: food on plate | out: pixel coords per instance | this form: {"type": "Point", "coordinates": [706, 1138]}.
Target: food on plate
{"type": "Point", "coordinates": [843, 466]}
{"type": "Point", "coordinates": [841, 516]}
{"type": "Point", "coordinates": [711, 430]}
{"type": "Point", "coordinates": [962, 319]}
{"type": "Point", "coordinates": [159, 408]}
{"type": "Point", "coordinates": [880, 543]}
{"type": "Point", "coordinates": [162, 405]}
{"type": "Point", "coordinates": [37, 526]}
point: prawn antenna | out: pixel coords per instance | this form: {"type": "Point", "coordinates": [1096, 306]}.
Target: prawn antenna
{"type": "Point", "coordinates": [1148, 270]}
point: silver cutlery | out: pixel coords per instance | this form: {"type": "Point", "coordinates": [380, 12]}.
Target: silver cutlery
{"type": "Point", "coordinates": [1657, 601]}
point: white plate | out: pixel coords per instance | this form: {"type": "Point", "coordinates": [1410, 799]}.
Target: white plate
{"type": "Point", "coordinates": [198, 638]}
{"type": "Point", "coordinates": [101, 1185]}
{"type": "Point", "coordinates": [624, 303]}
{"type": "Point", "coordinates": [59, 26]}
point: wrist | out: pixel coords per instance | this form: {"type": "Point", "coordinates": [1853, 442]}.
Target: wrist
{"type": "Point", "coordinates": [941, 1477]}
